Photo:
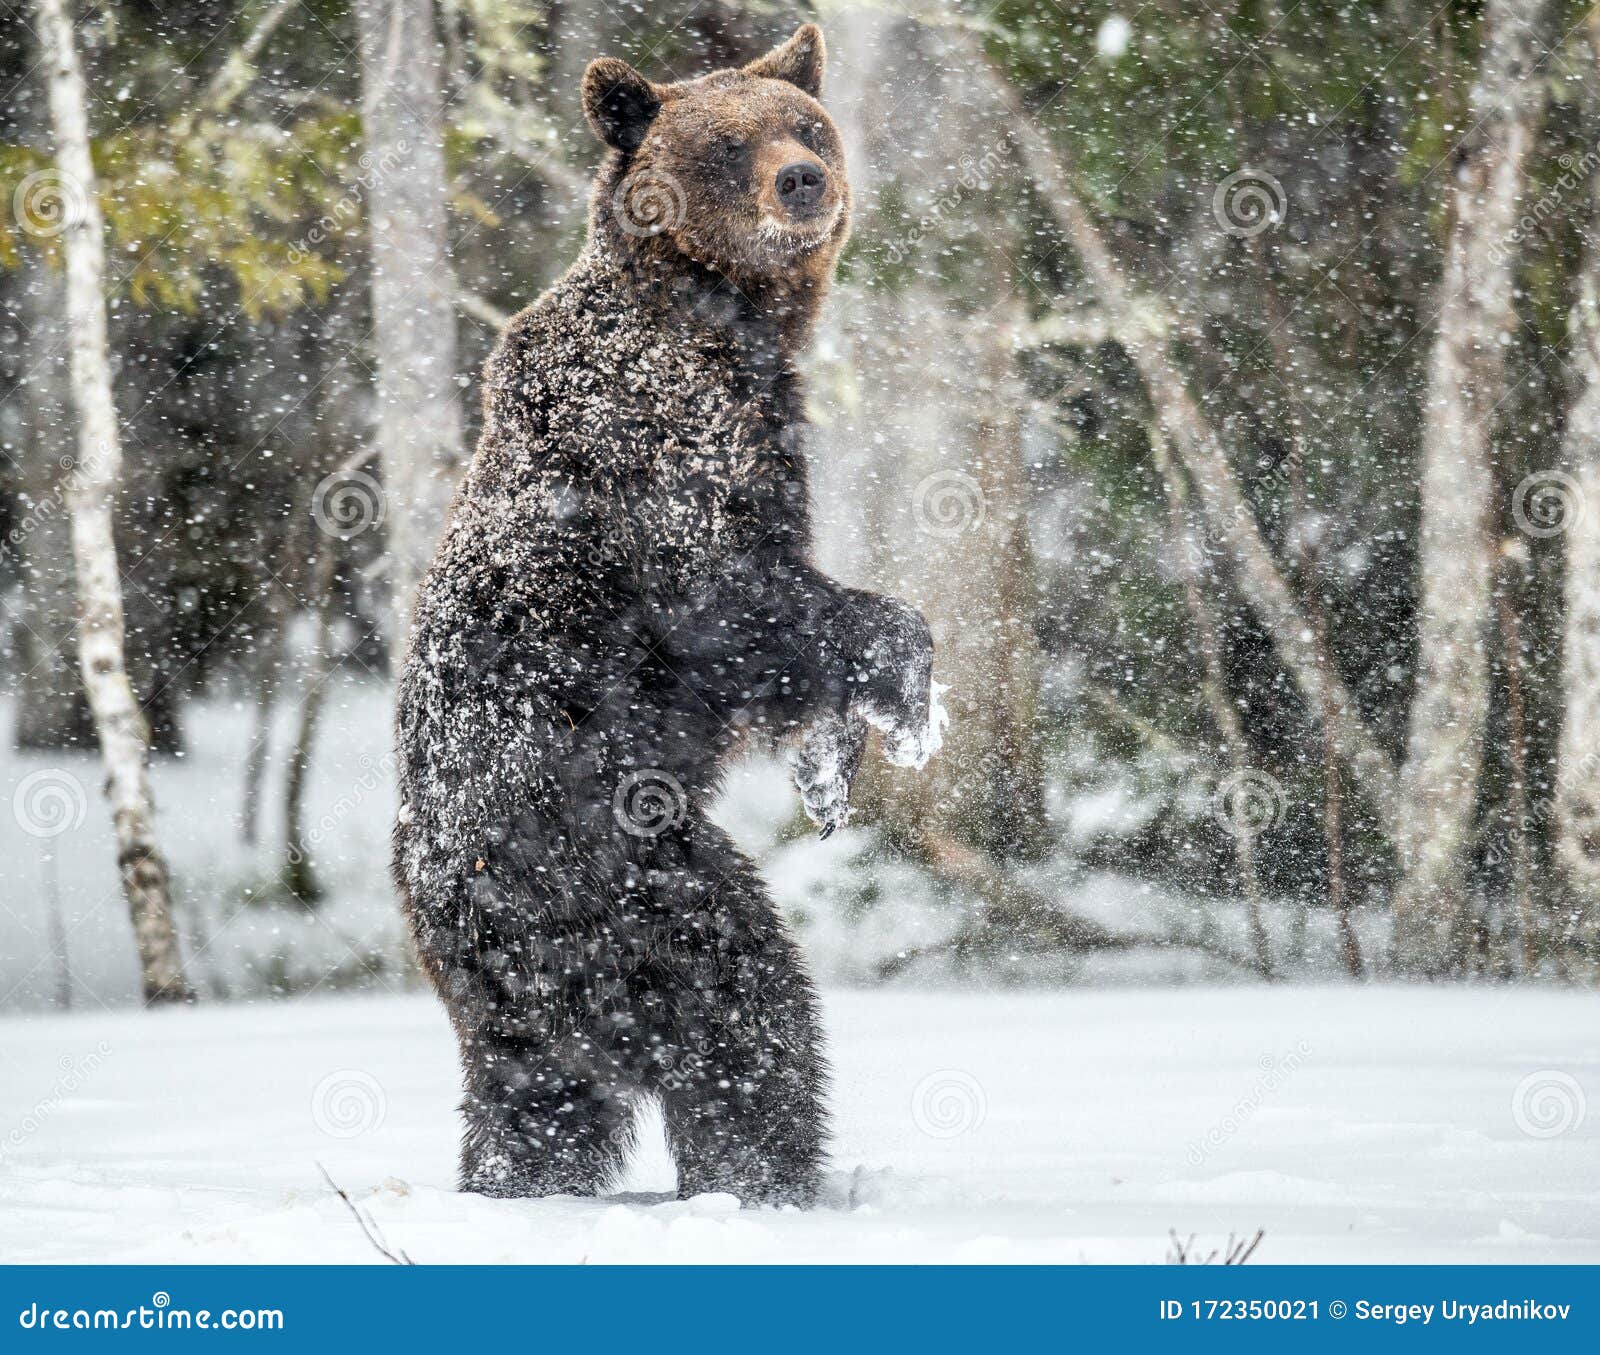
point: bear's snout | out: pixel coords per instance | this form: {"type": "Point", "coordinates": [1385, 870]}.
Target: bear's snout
{"type": "Point", "coordinates": [800, 186]}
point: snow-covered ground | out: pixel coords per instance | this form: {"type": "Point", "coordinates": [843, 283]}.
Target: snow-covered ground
{"type": "Point", "coordinates": [64, 926]}
{"type": "Point", "coordinates": [1056, 1124]}
{"type": "Point", "coordinates": [1352, 1124]}
{"type": "Point", "coordinates": [57, 856]}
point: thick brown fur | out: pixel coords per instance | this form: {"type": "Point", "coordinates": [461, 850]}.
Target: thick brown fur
{"type": "Point", "coordinates": [623, 598]}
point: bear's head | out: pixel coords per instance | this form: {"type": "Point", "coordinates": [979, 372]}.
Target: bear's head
{"type": "Point", "coordinates": [740, 171]}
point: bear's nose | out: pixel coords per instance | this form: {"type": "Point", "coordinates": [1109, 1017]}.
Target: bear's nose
{"type": "Point", "coordinates": [800, 185]}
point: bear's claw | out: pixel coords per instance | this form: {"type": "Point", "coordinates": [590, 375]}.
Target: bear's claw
{"type": "Point", "coordinates": [824, 765]}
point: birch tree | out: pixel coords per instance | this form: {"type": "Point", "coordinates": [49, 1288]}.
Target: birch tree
{"type": "Point", "coordinates": [1466, 383]}
{"type": "Point", "coordinates": [51, 712]}
{"type": "Point", "coordinates": [119, 723]}
{"type": "Point", "coordinates": [1427, 805]}
{"type": "Point", "coordinates": [419, 429]}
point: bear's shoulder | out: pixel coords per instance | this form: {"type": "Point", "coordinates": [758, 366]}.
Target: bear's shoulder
{"type": "Point", "coordinates": [596, 327]}
{"type": "Point", "coordinates": [596, 377]}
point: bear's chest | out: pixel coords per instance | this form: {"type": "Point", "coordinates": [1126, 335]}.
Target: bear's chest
{"type": "Point", "coordinates": [726, 465]}
{"type": "Point", "coordinates": [722, 490]}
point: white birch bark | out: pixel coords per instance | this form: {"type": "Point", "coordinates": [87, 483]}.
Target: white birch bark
{"type": "Point", "coordinates": [51, 712]}
{"type": "Point", "coordinates": [414, 291]}
{"type": "Point", "coordinates": [123, 733]}
{"type": "Point", "coordinates": [1466, 383]}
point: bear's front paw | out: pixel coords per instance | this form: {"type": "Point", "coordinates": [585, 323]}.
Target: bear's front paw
{"type": "Point", "coordinates": [824, 764]}
{"type": "Point", "coordinates": [898, 694]}
{"type": "Point", "coordinates": [911, 741]}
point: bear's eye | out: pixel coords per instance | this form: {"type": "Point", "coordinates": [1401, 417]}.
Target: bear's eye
{"type": "Point", "coordinates": [808, 134]}
{"type": "Point", "coordinates": [729, 151]}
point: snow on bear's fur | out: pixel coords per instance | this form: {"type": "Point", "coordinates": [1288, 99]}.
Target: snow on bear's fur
{"type": "Point", "coordinates": [623, 597]}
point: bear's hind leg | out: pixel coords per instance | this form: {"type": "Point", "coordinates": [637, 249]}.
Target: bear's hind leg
{"type": "Point", "coordinates": [746, 1117]}
{"type": "Point", "coordinates": [542, 1120]}
{"type": "Point", "coordinates": [741, 1074]}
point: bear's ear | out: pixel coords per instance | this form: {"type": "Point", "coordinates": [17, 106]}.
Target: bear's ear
{"type": "Point", "coordinates": [619, 103]}
{"type": "Point", "coordinates": [799, 61]}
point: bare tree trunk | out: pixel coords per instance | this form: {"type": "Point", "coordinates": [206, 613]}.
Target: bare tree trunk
{"type": "Point", "coordinates": [299, 872]}
{"type": "Point", "coordinates": [1524, 958]}
{"type": "Point", "coordinates": [1241, 825]}
{"type": "Point", "coordinates": [269, 662]}
{"type": "Point", "coordinates": [1466, 383]}
{"type": "Point", "coordinates": [124, 736]}
{"type": "Point", "coordinates": [1578, 758]}
{"type": "Point", "coordinates": [1333, 827]}
{"type": "Point", "coordinates": [56, 925]}
{"type": "Point", "coordinates": [413, 286]}
{"type": "Point", "coordinates": [1292, 357]}
{"type": "Point", "coordinates": [940, 472]}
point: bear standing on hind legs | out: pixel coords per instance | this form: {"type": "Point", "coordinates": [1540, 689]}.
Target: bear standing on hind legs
{"type": "Point", "coordinates": [624, 595]}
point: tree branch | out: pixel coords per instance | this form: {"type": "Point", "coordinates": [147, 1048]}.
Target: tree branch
{"type": "Point", "coordinates": [233, 77]}
{"type": "Point", "coordinates": [480, 308]}
{"type": "Point", "coordinates": [1214, 688]}
{"type": "Point", "coordinates": [1147, 342]}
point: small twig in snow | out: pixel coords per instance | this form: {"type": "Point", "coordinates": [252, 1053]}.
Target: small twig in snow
{"type": "Point", "coordinates": [369, 1229]}
{"type": "Point", "coordinates": [1239, 1252]}
{"type": "Point", "coordinates": [1236, 1253]}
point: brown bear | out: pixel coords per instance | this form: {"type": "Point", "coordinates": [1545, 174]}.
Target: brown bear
{"type": "Point", "coordinates": [623, 599]}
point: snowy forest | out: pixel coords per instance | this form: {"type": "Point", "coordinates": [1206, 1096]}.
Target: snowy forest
{"type": "Point", "coordinates": [1221, 380]}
